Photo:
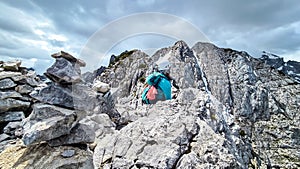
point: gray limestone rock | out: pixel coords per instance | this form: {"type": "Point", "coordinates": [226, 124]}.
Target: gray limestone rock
{"type": "Point", "coordinates": [80, 134]}
{"type": "Point", "coordinates": [9, 74]}
{"type": "Point", "coordinates": [9, 94]}
{"type": "Point", "coordinates": [64, 72]}
{"type": "Point", "coordinates": [69, 57]}
{"type": "Point", "coordinates": [68, 153]}
{"type": "Point", "coordinates": [7, 83]}
{"type": "Point", "coordinates": [12, 65]}
{"type": "Point", "coordinates": [13, 104]}
{"type": "Point", "coordinates": [11, 127]}
{"type": "Point", "coordinates": [47, 122]}
{"type": "Point", "coordinates": [24, 89]}
{"type": "Point", "coordinates": [100, 124]}
{"type": "Point", "coordinates": [44, 156]}
{"type": "Point", "coordinates": [4, 136]}
{"type": "Point", "coordinates": [78, 96]}
{"type": "Point", "coordinates": [11, 116]}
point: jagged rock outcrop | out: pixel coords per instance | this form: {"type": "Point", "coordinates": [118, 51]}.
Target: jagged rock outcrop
{"type": "Point", "coordinates": [290, 68]}
{"type": "Point", "coordinates": [256, 97]}
{"type": "Point", "coordinates": [231, 111]}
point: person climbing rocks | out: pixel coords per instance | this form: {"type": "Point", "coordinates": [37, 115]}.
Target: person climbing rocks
{"type": "Point", "coordinates": [158, 87]}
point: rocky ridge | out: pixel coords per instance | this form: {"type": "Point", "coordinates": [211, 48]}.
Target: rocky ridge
{"type": "Point", "coordinates": [290, 68]}
{"type": "Point", "coordinates": [231, 111]}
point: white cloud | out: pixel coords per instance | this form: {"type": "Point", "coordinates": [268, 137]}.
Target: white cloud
{"type": "Point", "coordinates": [56, 37]}
{"type": "Point", "coordinates": [40, 28]}
{"type": "Point", "coordinates": [39, 32]}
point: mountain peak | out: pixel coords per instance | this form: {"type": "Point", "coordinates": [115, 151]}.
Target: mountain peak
{"type": "Point", "coordinates": [181, 44]}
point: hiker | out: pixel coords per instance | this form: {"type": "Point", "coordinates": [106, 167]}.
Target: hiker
{"type": "Point", "coordinates": [159, 85]}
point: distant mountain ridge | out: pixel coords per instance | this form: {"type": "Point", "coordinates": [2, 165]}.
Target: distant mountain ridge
{"type": "Point", "coordinates": [290, 68]}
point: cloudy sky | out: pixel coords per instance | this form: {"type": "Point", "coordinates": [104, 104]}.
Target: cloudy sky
{"type": "Point", "coordinates": [33, 30]}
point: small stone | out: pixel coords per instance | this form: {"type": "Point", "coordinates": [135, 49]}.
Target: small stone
{"type": "Point", "coordinates": [24, 89]}
{"type": "Point", "coordinates": [101, 87]}
{"type": "Point", "coordinates": [12, 65]}
{"type": "Point", "coordinates": [11, 127]}
{"type": "Point", "coordinates": [68, 153]}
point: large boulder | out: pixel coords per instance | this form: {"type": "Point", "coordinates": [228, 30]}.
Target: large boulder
{"type": "Point", "coordinates": [156, 141]}
{"type": "Point", "coordinates": [100, 124]}
{"type": "Point", "coordinates": [66, 69]}
{"type": "Point", "coordinates": [48, 122]}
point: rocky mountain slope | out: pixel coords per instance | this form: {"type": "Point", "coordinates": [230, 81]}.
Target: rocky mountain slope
{"type": "Point", "coordinates": [231, 111]}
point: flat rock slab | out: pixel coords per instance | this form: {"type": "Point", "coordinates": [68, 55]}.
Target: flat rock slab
{"type": "Point", "coordinates": [44, 156]}
{"type": "Point", "coordinates": [9, 103]}
{"type": "Point", "coordinates": [47, 122]}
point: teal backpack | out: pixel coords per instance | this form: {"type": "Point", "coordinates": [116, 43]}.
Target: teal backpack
{"type": "Point", "coordinates": [160, 82]}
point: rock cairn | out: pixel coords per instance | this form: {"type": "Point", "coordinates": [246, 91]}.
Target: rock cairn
{"type": "Point", "coordinates": [63, 115]}
{"type": "Point", "coordinates": [16, 83]}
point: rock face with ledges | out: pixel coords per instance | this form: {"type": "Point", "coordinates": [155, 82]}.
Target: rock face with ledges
{"type": "Point", "coordinates": [262, 100]}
